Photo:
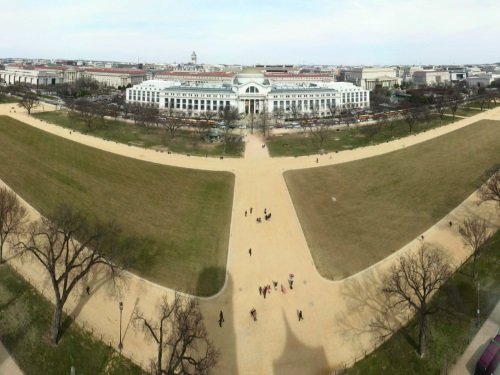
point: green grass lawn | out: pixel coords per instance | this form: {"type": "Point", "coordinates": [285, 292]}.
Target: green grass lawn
{"type": "Point", "coordinates": [8, 99]}
{"type": "Point", "coordinates": [180, 217]}
{"type": "Point", "coordinates": [25, 319]}
{"type": "Point", "coordinates": [384, 202]}
{"type": "Point", "coordinates": [451, 329]}
{"type": "Point", "coordinates": [185, 142]}
{"type": "Point", "coordinates": [466, 111]}
{"type": "Point", "coordinates": [305, 143]}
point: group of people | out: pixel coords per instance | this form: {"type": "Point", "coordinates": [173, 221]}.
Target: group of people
{"type": "Point", "coordinates": [267, 215]}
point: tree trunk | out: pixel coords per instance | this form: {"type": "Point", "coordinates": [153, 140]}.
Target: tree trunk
{"type": "Point", "coordinates": [56, 323]}
{"type": "Point", "coordinates": [474, 265]}
{"type": "Point", "coordinates": [421, 336]}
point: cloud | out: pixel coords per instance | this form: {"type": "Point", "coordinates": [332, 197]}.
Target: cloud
{"type": "Point", "coordinates": [241, 31]}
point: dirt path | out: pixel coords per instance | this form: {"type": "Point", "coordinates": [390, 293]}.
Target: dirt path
{"type": "Point", "coordinates": [7, 364]}
{"type": "Point", "coordinates": [336, 313]}
{"type": "Point", "coordinates": [467, 361]}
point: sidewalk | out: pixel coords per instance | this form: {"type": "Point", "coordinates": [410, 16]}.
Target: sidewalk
{"type": "Point", "coordinates": [466, 363]}
{"type": "Point", "coordinates": [7, 364]}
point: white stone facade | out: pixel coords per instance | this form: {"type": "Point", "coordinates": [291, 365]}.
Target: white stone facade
{"type": "Point", "coordinates": [250, 92]}
{"type": "Point", "coordinates": [13, 75]}
{"type": "Point", "coordinates": [368, 78]}
{"type": "Point", "coordinates": [430, 77]}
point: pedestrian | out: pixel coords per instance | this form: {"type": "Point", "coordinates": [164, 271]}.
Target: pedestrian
{"type": "Point", "coordinates": [221, 318]}
{"type": "Point", "coordinates": [251, 209]}
{"type": "Point", "coordinates": [316, 160]}
{"type": "Point", "coordinates": [450, 223]}
{"type": "Point", "coordinates": [250, 251]}
{"type": "Point", "coordinates": [422, 237]}
{"type": "Point", "coordinates": [275, 284]}
{"type": "Point", "coordinates": [264, 292]}
{"type": "Point", "coordinates": [282, 289]}
{"type": "Point", "coordinates": [265, 211]}
{"type": "Point", "coordinates": [253, 314]}
{"type": "Point", "coordinates": [260, 290]}
{"type": "Point", "coordinates": [88, 290]}
{"type": "Point", "coordinates": [245, 213]}
{"type": "Point", "coordinates": [300, 315]}
{"type": "Point", "coordinates": [269, 216]}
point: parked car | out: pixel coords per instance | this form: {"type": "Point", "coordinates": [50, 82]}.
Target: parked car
{"type": "Point", "coordinates": [487, 364]}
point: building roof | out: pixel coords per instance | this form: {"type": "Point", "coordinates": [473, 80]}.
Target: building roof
{"type": "Point", "coordinates": [197, 74]}
{"type": "Point", "coordinates": [115, 71]}
{"type": "Point", "coordinates": [297, 75]}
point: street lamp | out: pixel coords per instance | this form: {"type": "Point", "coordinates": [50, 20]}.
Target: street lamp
{"type": "Point", "coordinates": [120, 345]}
{"type": "Point", "coordinates": [478, 311]}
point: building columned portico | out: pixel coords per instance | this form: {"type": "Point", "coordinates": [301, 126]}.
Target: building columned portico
{"type": "Point", "coordinates": [251, 92]}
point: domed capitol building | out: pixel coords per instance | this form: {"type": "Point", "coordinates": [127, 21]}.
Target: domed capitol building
{"type": "Point", "coordinates": [250, 91]}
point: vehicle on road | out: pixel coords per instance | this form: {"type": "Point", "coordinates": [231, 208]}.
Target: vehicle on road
{"type": "Point", "coordinates": [487, 364]}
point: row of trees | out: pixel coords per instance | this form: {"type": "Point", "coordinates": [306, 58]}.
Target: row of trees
{"type": "Point", "coordinates": [414, 279]}
{"type": "Point", "coordinates": [70, 245]}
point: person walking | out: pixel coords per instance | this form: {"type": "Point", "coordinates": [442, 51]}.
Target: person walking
{"type": "Point", "coordinates": [221, 318]}
{"type": "Point", "coordinates": [250, 251]}
{"type": "Point", "coordinates": [253, 314]}
{"type": "Point", "coordinates": [251, 209]}
{"type": "Point", "coordinates": [88, 290]}
{"type": "Point", "coordinates": [260, 290]}
{"type": "Point", "coordinates": [245, 213]}
{"type": "Point", "coordinates": [300, 315]}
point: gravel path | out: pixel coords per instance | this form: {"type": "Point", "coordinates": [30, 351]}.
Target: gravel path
{"type": "Point", "coordinates": [336, 313]}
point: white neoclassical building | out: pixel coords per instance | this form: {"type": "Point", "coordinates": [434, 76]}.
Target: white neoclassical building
{"type": "Point", "coordinates": [250, 91]}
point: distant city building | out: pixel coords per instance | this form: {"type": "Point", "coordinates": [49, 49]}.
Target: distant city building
{"type": "Point", "coordinates": [430, 77]}
{"type": "Point", "coordinates": [57, 74]}
{"type": "Point", "coordinates": [13, 74]}
{"type": "Point", "coordinates": [482, 80]}
{"type": "Point", "coordinates": [457, 73]}
{"type": "Point", "coordinates": [368, 78]}
{"type": "Point", "coordinates": [251, 91]}
{"type": "Point", "coordinates": [193, 58]}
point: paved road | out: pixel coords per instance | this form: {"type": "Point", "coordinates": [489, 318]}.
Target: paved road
{"type": "Point", "coordinates": [336, 314]}
{"type": "Point", "coordinates": [7, 364]}
{"type": "Point", "coordinates": [466, 363]}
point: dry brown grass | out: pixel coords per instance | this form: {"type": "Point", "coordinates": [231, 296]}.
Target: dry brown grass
{"type": "Point", "coordinates": [384, 202]}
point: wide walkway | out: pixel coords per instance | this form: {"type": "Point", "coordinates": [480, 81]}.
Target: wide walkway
{"type": "Point", "coordinates": [467, 362]}
{"type": "Point", "coordinates": [335, 329]}
{"type": "Point", "coordinates": [7, 364]}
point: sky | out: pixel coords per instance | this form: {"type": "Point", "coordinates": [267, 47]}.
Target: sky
{"type": "Point", "coordinates": [327, 32]}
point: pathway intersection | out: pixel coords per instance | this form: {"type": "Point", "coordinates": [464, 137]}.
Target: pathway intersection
{"type": "Point", "coordinates": [334, 330]}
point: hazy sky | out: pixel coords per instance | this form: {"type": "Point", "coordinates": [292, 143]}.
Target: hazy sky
{"type": "Point", "coordinates": [254, 31]}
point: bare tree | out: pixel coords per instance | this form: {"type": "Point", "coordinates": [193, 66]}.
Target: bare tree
{"type": "Point", "coordinates": [173, 122]}
{"type": "Point", "coordinates": [320, 131]}
{"type": "Point", "coordinates": [264, 121]}
{"type": "Point", "coordinates": [411, 283]}
{"type": "Point", "coordinates": [490, 190]}
{"type": "Point", "coordinates": [454, 103]}
{"type": "Point", "coordinates": [29, 101]}
{"type": "Point", "coordinates": [332, 108]}
{"type": "Point", "coordinates": [13, 217]}
{"type": "Point", "coordinates": [229, 115]}
{"type": "Point", "coordinates": [277, 114]}
{"type": "Point", "coordinates": [180, 335]}
{"type": "Point", "coordinates": [441, 107]}
{"type": "Point", "coordinates": [68, 246]}
{"type": "Point", "coordinates": [86, 111]}
{"type": "Point", "coordinates": [475, 234]}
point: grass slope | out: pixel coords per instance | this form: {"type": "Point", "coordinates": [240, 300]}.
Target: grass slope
{"type": "Point", "coordinates": [180, 216]}
{"type": "Point", "coordinates": [25, 319]}
{"type": "Point", "coordinates": [185, 142]}
{"type": "Point", "coordinates": [305, 143]}
{"type": "Point", "coordinates": [384, 202]}
{"type": "Point", "coordinates": [451, 329]}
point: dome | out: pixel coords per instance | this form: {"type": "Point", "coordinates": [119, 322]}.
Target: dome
{"type": "Point", "coordinates": [252, 71]}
